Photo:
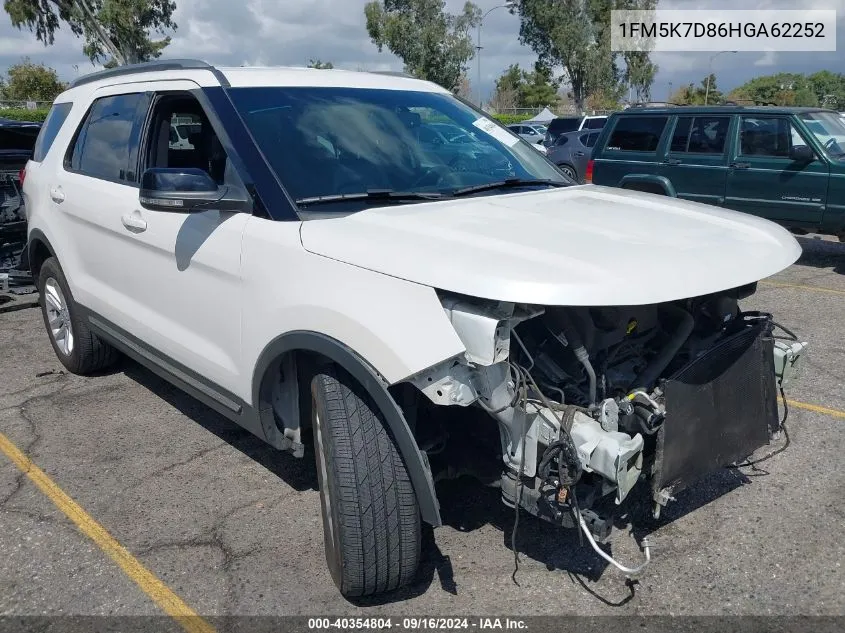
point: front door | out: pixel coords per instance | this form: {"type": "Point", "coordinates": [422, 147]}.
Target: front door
{"type": "Point", "coordinates": [765, 181]}
{"type": "Point", "coordinates": [184, 277]}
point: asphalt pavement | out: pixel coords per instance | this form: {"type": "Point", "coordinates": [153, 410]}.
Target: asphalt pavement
{"type": "Point", "coordinates": [232, 527]}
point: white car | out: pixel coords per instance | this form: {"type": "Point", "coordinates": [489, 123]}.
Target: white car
{"type": "Point", "coordinates": [309, 266]}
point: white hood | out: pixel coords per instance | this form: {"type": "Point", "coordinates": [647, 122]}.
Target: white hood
{"type": "Point", "coordinates": [585, 245]}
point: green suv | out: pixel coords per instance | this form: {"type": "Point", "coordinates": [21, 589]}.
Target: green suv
{"type": "Point", "coordinates": [783, 164]}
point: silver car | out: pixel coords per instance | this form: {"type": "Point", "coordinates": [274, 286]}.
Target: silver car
{"type": "Point", "coordinates": [572, 150]}
{"type": "Point", "coordinates": [531, 132]}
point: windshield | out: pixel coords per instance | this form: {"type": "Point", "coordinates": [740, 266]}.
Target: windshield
{"type": "Point", "coordinates": [829, 130]}
{"type": "Point", "coordinates": [325, 142]}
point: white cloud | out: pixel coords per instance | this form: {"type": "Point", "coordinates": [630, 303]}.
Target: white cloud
{"type": "Point", "coordinates": [769, 58]}
{"type": "Point", "coordinates": [288, 32]}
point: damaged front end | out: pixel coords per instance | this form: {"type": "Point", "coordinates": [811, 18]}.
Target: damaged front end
{"type": "Point", "coordinates": [591, 401]}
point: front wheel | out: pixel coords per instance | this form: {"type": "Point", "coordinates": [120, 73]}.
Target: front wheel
{"type": "Point", "coordinates": [371, 519]}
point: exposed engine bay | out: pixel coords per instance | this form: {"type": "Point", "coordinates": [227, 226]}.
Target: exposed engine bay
{"type": "Point", "coordinates": [593, 401]}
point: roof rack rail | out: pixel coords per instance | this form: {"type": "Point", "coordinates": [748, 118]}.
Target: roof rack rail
{"type": "Point", "coordinates": [150, 67]}
{"type": "Point", "coordinates": [655, 104]}
{"type": "Point", "coordinates": [392, 73]}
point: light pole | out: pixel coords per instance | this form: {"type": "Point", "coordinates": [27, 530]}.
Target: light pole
{"type": "Point", "coordinates": [710, 72]}
{"type": "Point", "coordinates": [506, 5]}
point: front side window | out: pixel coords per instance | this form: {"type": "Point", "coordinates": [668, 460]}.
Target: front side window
{"type": "Point", "coordinates": [107, 142]}
{"type": "Point", "coordinates": [766, 136]}
{"type": "Point", "coordinates": [637, 133]}
{"type": "Point", "coordinates": [829, 130]}
{"type": "Point", "coordinates": [324, 142]}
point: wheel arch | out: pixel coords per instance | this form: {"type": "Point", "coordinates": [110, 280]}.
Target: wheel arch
{"type": "Point", "coordinates": [289, 352]}
{"type": "Point", "coordinates": [38, 250]}
{"type": "Point", "coordinates": [648, 183]}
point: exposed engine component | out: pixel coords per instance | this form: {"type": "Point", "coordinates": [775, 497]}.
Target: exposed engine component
{"type": "Point", "coordinates": [591, 400]}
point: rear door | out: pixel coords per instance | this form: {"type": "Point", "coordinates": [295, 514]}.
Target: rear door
{"type": "Point", "coordinates": [764, 181]}
{"type": "Point", "coordinates": [92, 188]}
{"type": "Point", "coordinates": [697, 160]}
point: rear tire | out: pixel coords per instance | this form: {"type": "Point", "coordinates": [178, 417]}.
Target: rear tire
{"type": "Point", "coordinates": [371, 519]}
{"type": "Point", "coordinates": [566, 169]}
{"type": "Point", "coordinates": [78, 349]}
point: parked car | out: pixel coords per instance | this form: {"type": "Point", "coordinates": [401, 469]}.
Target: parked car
{"type": "Point", "coordinates": [532, 133]}
{"type": "Point", "coordinates": [783, 164]}
{"type": "Point", "coordinates": [311, 267]}
{"type": "Point", "coordinates": [563, 125]}
{"type": "Point", "coordinates": [17, 140]}
{"type": "Point", "coordinates": [571, 152]}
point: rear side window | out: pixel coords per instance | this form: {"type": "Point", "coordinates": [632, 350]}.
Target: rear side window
{"type": "Point", "coordinates": [637, 133]}
{"type": "Point", "coordinates": [107, 142]}
{"type": "Point", "coordinates": [592, 137]}
{"type": "Point", "coordinates": [50, 129]}
{"type": "Point", "coordinates": [701, 134]}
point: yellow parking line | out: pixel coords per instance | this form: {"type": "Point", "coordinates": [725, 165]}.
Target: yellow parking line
{"type": "Point", "coordinates": [778, 284]}
{"type": "Point", "coordinates": [160, 593]}
{"type": "Point", "coordinates": [814, 407]}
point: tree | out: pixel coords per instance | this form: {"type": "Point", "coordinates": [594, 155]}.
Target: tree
{"type": "Point", "coordinates": [464, 88]}
{"type": "Point", "coordinates": [538, 88]}
{"type": "Point", "coordinates": [829, 88]}
{"type": "Point", "coordinates": [695, 95]}
{"type": "Point", "coordinates": [316, 63]}
{"type": "Point", "coordinates": [575, 34]}
{"type": "Point", "coordinates": [784, 89]}
{"type": "Point", "coordinates": [433, 44]}
{"type": "Point", "coordinates": [521, 89]}
{"type": "Point", "coordinates": [27, 81]}
{"type": "Point", "coordinates": [116, 31]}
{"type": "Point", "coordinates": [639, 74]}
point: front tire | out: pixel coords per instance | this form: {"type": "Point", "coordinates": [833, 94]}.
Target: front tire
{"type": "Point", "coordinates": [78, 349]}
{"type": "Point", "coordinates": [371, 519]}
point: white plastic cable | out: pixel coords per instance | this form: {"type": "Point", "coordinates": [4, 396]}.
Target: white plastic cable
{"type": "Point", "coordinates": [630, 572]}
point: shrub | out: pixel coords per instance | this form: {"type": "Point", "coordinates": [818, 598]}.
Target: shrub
{"type": "Point", "coordinates": [508, 119]}
{"type": "Point", "coordinates": [22, 114]}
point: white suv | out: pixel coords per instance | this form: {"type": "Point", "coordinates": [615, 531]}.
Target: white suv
{"type": "Point", "coordinates": [426, 310]}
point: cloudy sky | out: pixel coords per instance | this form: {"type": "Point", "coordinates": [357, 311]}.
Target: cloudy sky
{"type": "Point", "coordinates": [290, 32]}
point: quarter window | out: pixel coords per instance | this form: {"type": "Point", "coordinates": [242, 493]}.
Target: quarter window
{"type": "Point", "coordinates": [106, 146]}
{"type": "Point", "coordinates": [637, 133]}
{"type": "Point", "coordinates": [50, 129]}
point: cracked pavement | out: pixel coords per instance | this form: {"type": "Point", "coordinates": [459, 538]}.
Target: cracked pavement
{"type": "Point", "coordinates": [233, 527]}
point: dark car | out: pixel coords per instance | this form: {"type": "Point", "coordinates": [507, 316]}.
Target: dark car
{"type": "Point", "coordinates": [783, 164]}
{"type": "Point", "coordinates": [565, 124]}
{"type": "Point", "coordinates": [17, 140]}
{"type": "Point", "coordinates": [571, 152]}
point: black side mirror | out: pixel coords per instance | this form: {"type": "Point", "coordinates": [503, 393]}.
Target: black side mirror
{"type": "Point", "coordinates": [187, 190]}
{"type": "Point", "coordinates": [801, 154]}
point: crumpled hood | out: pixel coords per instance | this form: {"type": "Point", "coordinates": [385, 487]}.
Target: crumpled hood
{"type": "Point", "coordinates": [585, 245]}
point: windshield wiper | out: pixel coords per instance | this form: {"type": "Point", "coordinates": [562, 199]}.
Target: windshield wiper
{"type": "Point", "coordinates": [507, 184]}
{"type": "Point", "coordinates": [372, 195]}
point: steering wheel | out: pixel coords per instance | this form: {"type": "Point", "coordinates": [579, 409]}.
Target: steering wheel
{"type": "Point", "coordinates": [829, 143]}
{"type": "Point", "coordinates": [432, 177]}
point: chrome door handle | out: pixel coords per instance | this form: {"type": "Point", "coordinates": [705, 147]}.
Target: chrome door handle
{"type": "Point", "coordinates": [740, 165]}
{"type": "Point", "coordinates": [57, 195]}
{"type": "Point", "coordinates": [672, 161]}
{"type": "Point", "coordinates": [134, 222]}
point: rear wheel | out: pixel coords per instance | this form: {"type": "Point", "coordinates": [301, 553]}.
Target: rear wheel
{"type": "Point", "coordinates": [566, 169]}
{"type": "Point", "coordinates": [78, 349]}
{"type": "Point", "coordinates": [371, 519]}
